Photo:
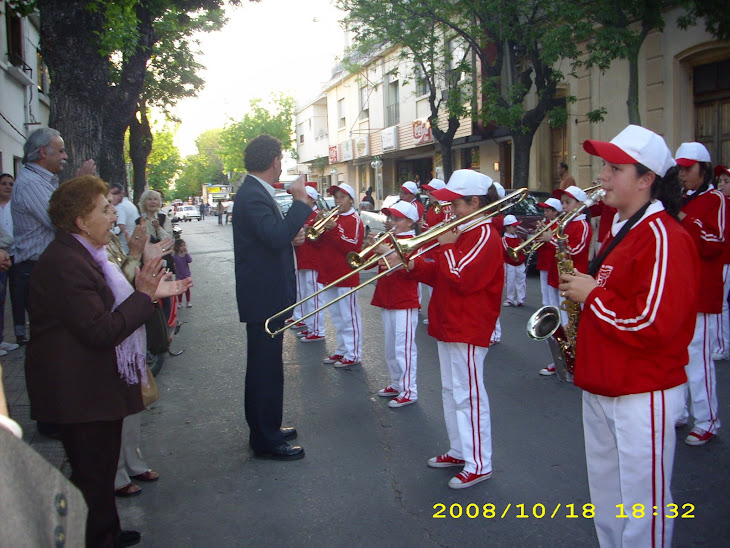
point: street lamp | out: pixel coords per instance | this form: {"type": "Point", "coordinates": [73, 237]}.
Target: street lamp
{"type": "Point", "coordinates": [377, 165]}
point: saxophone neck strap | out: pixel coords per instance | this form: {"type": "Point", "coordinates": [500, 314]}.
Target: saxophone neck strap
{"type": "Point", "coordinates": [598, 261]}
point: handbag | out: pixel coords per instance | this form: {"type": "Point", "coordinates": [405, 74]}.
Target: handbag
{"type": "Point", "coordinates": [150, 394]}
{"type": "Point", "coordinates": [158, 337]}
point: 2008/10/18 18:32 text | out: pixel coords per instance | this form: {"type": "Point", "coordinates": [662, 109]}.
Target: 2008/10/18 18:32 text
{"type": "Point", "coordinates": [539, 511]}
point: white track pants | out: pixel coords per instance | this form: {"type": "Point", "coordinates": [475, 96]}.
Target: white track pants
{"type": "Point", "coordinates": [701, 376]}
{"type": "Point", "coordinates": [345, 315]}
{"type": "Point", "coordinates": [466, 405]}
{"type": "Point", "coordinates": [401, 354]}
{"type": "Point", "coordinates": [722, 344]}
{"type": "Point", "coordinates": [307, 285]}
{"type": "Point", "coordinates": [516, 283]}
{"type": "Point", "coordinates": [630, 443]}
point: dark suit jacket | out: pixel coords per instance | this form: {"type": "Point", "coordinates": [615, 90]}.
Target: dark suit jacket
{"type": "Point", "coordinates": [38, 504]}
{"type": "Point", "coordinates": [265, 279]}
{"type": "Point", "coordinates": [70, 362]}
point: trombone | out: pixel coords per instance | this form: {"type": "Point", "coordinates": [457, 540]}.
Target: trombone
{"type": "Point", "coordinates": [403, 248]}
{"type": "Point", "coordinates": [315, 231]}
{"type": "Point", "coordinates": [355, 259]}
{"type": "Point", "coordinates": [529, 245]}
{"type": "Point", "coordinates": [438, 207]}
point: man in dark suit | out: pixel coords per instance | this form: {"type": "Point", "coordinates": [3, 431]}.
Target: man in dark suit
{"type": "Point", "coordinates": [265, 285]}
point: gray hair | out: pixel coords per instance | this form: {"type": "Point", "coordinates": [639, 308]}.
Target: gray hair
{"type": "Point", "coordinates": [38, 140]}
{"type": "Point", "coordinates": [146, 194]}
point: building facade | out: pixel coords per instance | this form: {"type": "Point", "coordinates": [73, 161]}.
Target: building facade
{"type": "Point", "coordinates": [24, 82]}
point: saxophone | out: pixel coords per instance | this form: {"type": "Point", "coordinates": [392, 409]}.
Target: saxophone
{"type": "Point", "coordinates": [546, 322]}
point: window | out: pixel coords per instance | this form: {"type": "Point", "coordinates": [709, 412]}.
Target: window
{"type": "Point", "coordinates": [422, 87]}
{"type": "Point", "coordinates": [392, 101]}
{"type": "Point", "coordinates": [364, 105]}
{"type": "Point", "coordinates": [300, 131]}
{"type": "Point", "coordinates": [457, 58]}
{"type": "Point", "coordinates": [44, 78]}
{"type": "Point", "coordinates": [341, 113]}
{"type": "Point", "coordinates": [13, 24]}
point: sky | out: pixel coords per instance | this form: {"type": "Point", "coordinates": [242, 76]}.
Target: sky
{"type": "Point", "coordinates": [271, 46]}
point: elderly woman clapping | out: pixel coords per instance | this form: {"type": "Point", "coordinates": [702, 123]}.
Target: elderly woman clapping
{"type": "Point", "coordinates": [86, 357]}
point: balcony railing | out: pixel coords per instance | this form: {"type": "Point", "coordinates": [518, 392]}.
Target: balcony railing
{"type": "Point", "coordinates": [392, 115]}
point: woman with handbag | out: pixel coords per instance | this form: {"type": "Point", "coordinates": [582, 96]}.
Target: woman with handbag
{"type": "Point", "coordinates": [86, 358]}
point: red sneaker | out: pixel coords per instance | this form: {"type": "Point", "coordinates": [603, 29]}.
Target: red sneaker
{"type": "Point", "coordinates": [549, 370]}
{"type": "Point", "coordinates": [698, 436]}
{"type": "Point", "coordinates": [333, 358]}
{"type": "Point", "coordinates": [444, 461]}
{"type": "Point", "coordinates": [465, 479]}
{"type": "Point", "coordinates": [400, 401]}
{"type": "Point", "coordinates": [311, 338]}
{"type": "Point", "coordinates": [388, 392]}
{"type": "Point", "coordinates": [300, 324]}
{"type": "Point", "coordinates": [302, 333]}
{"type": "Point", "coordinates": [342, 362]}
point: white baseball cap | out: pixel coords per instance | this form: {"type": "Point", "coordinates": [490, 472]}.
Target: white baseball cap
{"type": "Point", "coordinates": [688, 154]}
{"type": "Point", "coordinates": [464, 182]}
{"type": "Point", "coordinates": [410, 186]}
{"type": "Point", "coordinates": [552, 202]}
{"type": "Point", "coordinates": [511, 220]}
{"type": "Point", "coordinates": [402, 209]}
{"type": "Point", "coordinates": [572, 191]}
{"type": "Point", "coordinates": [501, 192]}
{"type": "Point", "coordinates": [344, 187]}
{"type": "Point", "coordinates": [434, 184]}
{"type": "Point", "coordinates": [312, 192]}
{"type": "Point", "coordinates": [634, 145]}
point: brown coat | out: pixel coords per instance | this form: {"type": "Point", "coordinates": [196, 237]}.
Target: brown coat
{"type": "Point", "coordinates": [70, 364]}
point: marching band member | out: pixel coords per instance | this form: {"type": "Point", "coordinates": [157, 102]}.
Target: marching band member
{"type": "Point", "coordinates": [546, 261]}
{"type": "Point", "coordinates": [431, 218]}
{"type": "Point", "coordinates": [514, 269]}
{"type": "Point", "coordinates": [722, 346]}
{"type": "Point", "coordinates": [339, 238]}
{"type": "Point", "coordinates": [467, 275]}
{"type": "Point", "coordinates": [637, 321]}
{"type": "Point", "coordinates": [397, 296]}
{"type": "Point", "coordinates": [307, 272]}
{"type": "Point", "coordinates": [409, 193]}
{"type": "Point", "coordinates": [703, 216]}
{"type": "Point", "coordinates": [579, 235]}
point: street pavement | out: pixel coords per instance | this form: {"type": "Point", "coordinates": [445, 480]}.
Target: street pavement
{"type": "Point", "coordinates": [364, 480]}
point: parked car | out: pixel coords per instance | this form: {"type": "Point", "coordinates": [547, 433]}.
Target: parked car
{"type": "Point", "coordinates": [188, 212]}
{"type": "Point", "coordinates": [374, 221]}
{"type": "Point", "coordinates": [284, 200]}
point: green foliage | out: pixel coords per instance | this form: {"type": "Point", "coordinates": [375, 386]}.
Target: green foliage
{"type": "Point", "coordinates": [164, 162]}
{"type": "Point", "coordinates": [275, 118]}
{"type": "Point", "coordinates": [206, 166]}
{"type": "Point", "coordinates": [715, 14]}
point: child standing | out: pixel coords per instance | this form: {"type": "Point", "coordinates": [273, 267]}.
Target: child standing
{"type": "Point", "coordinates": [397, 295]}
{"type": "Point", "coordinates": [181, 259]}
{"type": "Point", "coordinates": [514, 269]}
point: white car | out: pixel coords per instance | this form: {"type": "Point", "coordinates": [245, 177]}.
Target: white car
{"type": "Point", "coordinates": [188, 212]}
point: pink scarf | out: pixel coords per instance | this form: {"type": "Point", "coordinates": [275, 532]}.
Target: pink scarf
{"type": "Point", "coordinates": [132, 352]}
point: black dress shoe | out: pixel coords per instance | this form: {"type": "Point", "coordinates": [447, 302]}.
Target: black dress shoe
{"type": "Point", "coordinates": [289, 433]}
{"type": "Point", "coordinates": [281, 452]}
{"type": "Point", "coordinates": [129, 538]}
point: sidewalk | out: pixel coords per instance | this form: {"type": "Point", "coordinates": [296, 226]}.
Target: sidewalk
{"type": "Point", "coordinates": [17, 396]}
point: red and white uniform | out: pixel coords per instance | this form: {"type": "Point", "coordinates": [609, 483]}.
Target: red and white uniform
{"type": "Point", "coordinates": [579, 234]}
{"type": "Point", "coordinates": [432, 218]}
{"type": "Point", "coordinates": [307, 256]}
{"type": "Point", "coordinates": [705, 223]}
{"type": "Point", "coordinates": [606, 214]}
{"type": "Point", "coordinates": [418, 204]}
{"type": "Point", "coordinates": [514, 271]}
{"type": "Point", "coordinates": [721, 348]}
{"type": "Point", "coordinates": [397, 295]}
{"type": "Point", "coordinates": [467, 279]}
{"type": "Point", "coordinates": [630, 357]}
{"type": "Point", "coordinates": [334, 245]}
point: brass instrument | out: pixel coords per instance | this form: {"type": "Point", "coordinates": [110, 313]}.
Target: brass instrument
{"type": "Point", "coordinates": [402, 248]}
{"type": "Point", "coordinates": [355, 259]}
{"type": "Point", "coordinates": [546, 322]}
{"type": "Point", "coordinates": [438, 207]}
{"type": "Point", "coordinates": [315, 231]}
{"type": "Point", "coordinates": [529, 245]}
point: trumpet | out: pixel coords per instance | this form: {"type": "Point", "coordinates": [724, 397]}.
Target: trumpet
{"type": "Point", "coordinates": [315, 231]}
{"type": "Point", "coordinates": [438, 207]}
{"type": "Point", "coordinates": [406, 250]}
{"type": "Point", "coordinates": [355, 259]}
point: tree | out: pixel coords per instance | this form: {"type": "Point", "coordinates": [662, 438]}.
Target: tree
{"type": "Point", "coordinates": [164, 162]}
{"type": "Point", "coordinates": [275, 118]}
{"type": "Point", "coordinates": [89, 106]}
{"type": "Point", "coordinates": [379, 25]}
{"type": "Point", "coordinates": [202, 168]}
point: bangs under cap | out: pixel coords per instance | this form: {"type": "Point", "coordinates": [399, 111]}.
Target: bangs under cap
{"type": "Point", "coordinates": [688, 154]}
{"type": "Point", "coordinates": [574, 192]}
{"type": "Point", "coordinates": [634, 145]}
{"type": "Point", "coordinates": [403, 210]}
{"type": "Point", "coordinates": [464, 182]}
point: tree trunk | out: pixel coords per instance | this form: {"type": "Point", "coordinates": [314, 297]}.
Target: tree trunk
{"type": "Point", "coordinates": [68, 31]}
{"type": "Point", "coordinates": [445, 140]}
{"type": "Point", "coordinates": [140, 146]}
{"type": "Point", "coordinates": [633, 99]}
{"type": "Point", "coordinates": [522, 143]}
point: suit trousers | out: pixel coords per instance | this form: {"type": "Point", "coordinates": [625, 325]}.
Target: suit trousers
{"type": "Point", "coordinates": [93, 451]}
{"type": "Point", "coordinates": [19, 277]}
{"type": "Point", "coordinates": [264, 393]}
